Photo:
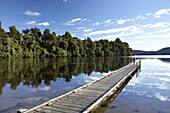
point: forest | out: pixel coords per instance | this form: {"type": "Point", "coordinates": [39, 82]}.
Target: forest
{"type": "Point", "coordinates": [32, 43]}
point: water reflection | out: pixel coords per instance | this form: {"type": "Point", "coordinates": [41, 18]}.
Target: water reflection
{"type": "Point", "coordinates": [32, 72]}
{"type": "Point", "coordinates": [149, 92]}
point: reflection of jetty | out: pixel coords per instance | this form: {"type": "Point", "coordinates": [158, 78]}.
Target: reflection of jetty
{"type": "Point", "coordinates": [88, 97]}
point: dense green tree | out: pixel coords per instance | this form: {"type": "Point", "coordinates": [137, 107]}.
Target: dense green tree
{"type": "Point", "coordinates": [35, 44]}
{"type": "Point", "coordinates": [14, 33]}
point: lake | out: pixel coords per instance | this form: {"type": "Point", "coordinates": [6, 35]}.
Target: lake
{"type": "Point", "coordinates": [25, 83]}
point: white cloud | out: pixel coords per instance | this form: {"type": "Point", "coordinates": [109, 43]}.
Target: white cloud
{"type": "Point", "coordinates": [30, 23]}
{"type": "Point", "coordinates": [162, 98]}
{"type": "Point", "coordinates": [155, 36]}
{"type": "Point", "coordinates": [159, 24]}
{"type": "Point", "coordinates": [72, 22]}
{"type": "Point", "coordinates": [81, 28]}
{"type": "Point", "coordinates": [65, 0]}
{"type": "Point", "coordinates": [76, 19]}
{"type": "Point", "coordinates": [161, 12]}
{"type": "Point", "coordinates": [35, 23]}
{"type": "Point", "coordinates": [107, 21]}
{"type": "Point", "coordinates": [84, 19]}
{"type": "Point", "coordinates": [125, 33]}
{"type": "Point", "coordinates": [53, 22]}
{"type": "Point", "coordinates": [108, 31]}
{"type": "Point", "coordinates": [148, 14]}
{"type": "Point", "coordinates": [120, 21]}
{"type": "Point", "coordinates": [124, 30]}
{"type": "Point", "coordinates": [96, 24]}
{"type": "Point", "coordinates": [140, 17]}
{"type": "Point", "coordinates": [145, 26]}
{"type": "Point", "coordinates": [164, 30]}
{"type": "Point", "coordinates": [30, 13]}
{"type": "Point", "coordinates": [87, 30]}
{"type": "Point", "coordinates": [44, 24]}
{"type": "Point", "coordinates": [138, 42]}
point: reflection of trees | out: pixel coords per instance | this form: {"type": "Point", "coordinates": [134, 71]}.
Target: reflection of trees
{"type": "Point", "coordinates": [165, 59]}
{"type": "Point", "coordinates": [34, 71]}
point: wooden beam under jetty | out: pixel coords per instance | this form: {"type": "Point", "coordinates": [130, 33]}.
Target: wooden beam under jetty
{"type": "Point", "coordinates": [88, 97]}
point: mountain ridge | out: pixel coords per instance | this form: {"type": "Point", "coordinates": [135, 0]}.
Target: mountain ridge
{"type": "Point", "coordinates": [163, 51]}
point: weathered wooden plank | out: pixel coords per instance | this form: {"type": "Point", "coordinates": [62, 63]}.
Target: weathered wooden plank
{"type": "Point", "coordinates": [79, 105]}
{"type": "Point", "coordinates": [78, 98]}
{"type": "Point", "coordinates": [98, 89]}
{"type": "Point", "coordinates": [75, 108]}
{"type": "Point", "coordinates": [69, 105]}
{"type": "Point", "coordinates": [55, 110]}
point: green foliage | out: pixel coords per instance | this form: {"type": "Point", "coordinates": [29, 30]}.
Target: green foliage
{"type": "Point", "coordinates": [32, 43]}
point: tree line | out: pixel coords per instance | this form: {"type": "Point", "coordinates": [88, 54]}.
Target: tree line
{"type": "Point", "coordinates": [33, 43]}
{"type": "Point", "coordinates": [34, 71]}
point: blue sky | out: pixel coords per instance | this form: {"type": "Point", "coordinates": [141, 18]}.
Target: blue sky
{"type": "Point", "coordinates": [144, 24]}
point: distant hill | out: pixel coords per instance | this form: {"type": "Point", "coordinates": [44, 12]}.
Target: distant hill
{"type": "Point", "coordinates": [163, 51]}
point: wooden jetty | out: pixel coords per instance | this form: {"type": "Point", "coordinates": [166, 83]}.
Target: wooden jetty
{"type": "Point", "coordinates": [88, 97]}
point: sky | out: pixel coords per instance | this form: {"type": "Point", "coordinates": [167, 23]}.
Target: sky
{"type": "Point", "coordinates": [144, 24]}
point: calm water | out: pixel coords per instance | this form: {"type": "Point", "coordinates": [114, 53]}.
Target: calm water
{"type": "Point", "coordinates": [25, 83]}
{"type": "Point", "coordinates": [149, 92]}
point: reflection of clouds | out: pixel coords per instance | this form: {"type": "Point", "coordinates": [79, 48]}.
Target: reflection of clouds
{"type": "Point", "coordinates": [164, 73]}
{"type": "Point", "coordinates": [88, 79]}
{"type": "Point", "coordinates": [151, 74]}
{"type": "Point", "coordinates": [128, 90]}
{"type": "Point", "coordinates": [162, 98]}
{"type": "Point", "coordinates": [32, 99]}
{"type": "Point", "coordinates": [134, 82]}
{"type": "Point", "coordinates": [32, 90]}
{"type": "Point", "coordinates": [46, 88]}
{"type": "Point", "coordinates": [133, 91]}
{"type": "Point", "coordinates": [107, 73]}
{"type": "Point", "coordinates": [149, 96]}
{"type": "Point", "coordinates": [163, 87]}
{"type": "Point", "coordinates": [69, 87]}
{"type": "Point", "coordinates": [141, 92]}
{"type": "Point", "coordinates": [164, 79]}
{"type": "Point", "coordinates": [144, 68]}
{"type": "Point", "coordinates": [162, 69]}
